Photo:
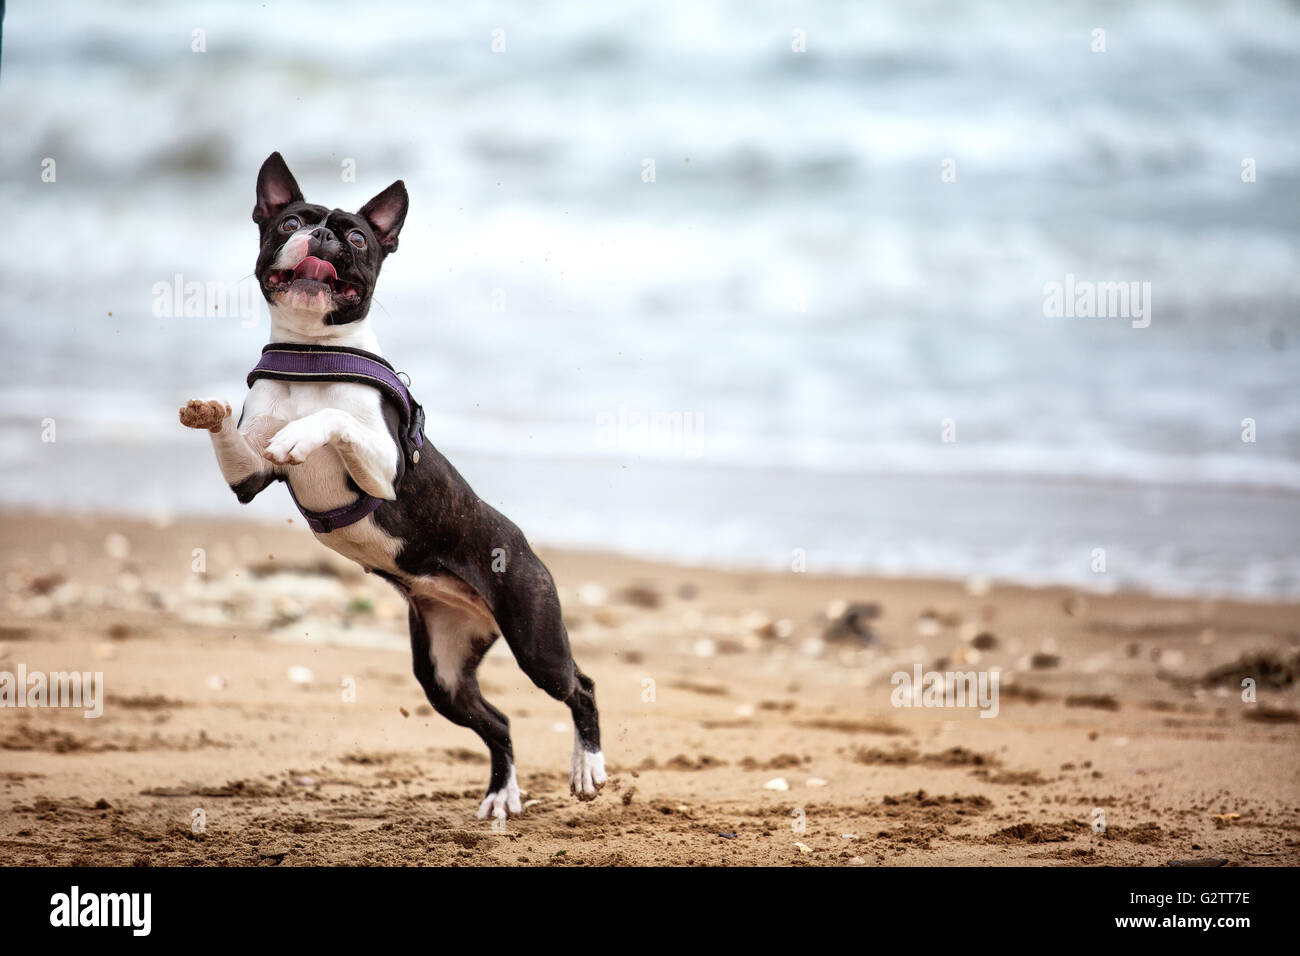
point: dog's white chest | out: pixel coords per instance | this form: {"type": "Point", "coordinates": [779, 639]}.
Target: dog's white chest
{"type": "Point", "coordinates": [320, 483]}
{"type": "Point", "coordinates": [290, 401]}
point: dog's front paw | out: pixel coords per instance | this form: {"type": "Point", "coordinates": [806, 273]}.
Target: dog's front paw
{"type": "Point", "coordinates": [197, 413]}
{"type": "Point", "coordinates": [293, 443]}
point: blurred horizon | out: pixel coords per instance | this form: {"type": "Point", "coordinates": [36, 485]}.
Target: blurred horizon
{"type": "Point", "coordinates": [830, 298]}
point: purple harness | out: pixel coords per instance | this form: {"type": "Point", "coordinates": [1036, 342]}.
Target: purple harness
{"type": "Point", "coordinates": [328, 363]}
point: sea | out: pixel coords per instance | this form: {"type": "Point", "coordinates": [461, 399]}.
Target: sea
{"type": "Point", "coordinates": [1004, 290]}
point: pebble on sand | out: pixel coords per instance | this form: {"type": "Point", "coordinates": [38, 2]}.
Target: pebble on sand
{"type": "Point", "coordinates": [853, 623]}
{"type": "Point", "coordinates": [1172, 660]}
{"type": "Point", "coordinates": [777, 783]}
{"type": "Point", "coordinates": [300, 675]}
{"type": "Point", "coordinates": [641, 594]}
{"type": "Point", "coordinates": [704, 647]}
{"type": "Point", "coordinates": [117, 547]}
{"type": "Point", "coordinates": [592, 594]}
{"type": "Point", "coordinates": [812, 647]}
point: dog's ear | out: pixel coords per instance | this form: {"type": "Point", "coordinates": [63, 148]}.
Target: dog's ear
{"type": "Point", "coordinates": [276, 188]}
{"type": "Point", "coordinates": [386, 213]}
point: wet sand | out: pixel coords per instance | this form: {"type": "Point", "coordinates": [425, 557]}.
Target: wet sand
{"type": "Point", "coordinates": [747, 718]}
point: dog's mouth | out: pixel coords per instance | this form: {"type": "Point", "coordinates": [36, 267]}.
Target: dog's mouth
{"type": "Point", "coordinates": [313, 275]}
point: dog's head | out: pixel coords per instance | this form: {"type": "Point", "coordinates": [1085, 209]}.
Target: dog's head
{"type": "Point", "coordinates": [321, 264]}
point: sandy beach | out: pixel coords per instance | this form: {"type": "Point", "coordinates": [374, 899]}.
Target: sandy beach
{"type": "Point", "coordinates": [259, 708]}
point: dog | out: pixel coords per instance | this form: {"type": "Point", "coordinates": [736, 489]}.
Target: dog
{"type": "Point", "coordinates": [348, 441]}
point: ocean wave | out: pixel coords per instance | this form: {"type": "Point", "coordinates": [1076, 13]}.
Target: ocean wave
{"type": "Point", "coordinates": [796, 276]}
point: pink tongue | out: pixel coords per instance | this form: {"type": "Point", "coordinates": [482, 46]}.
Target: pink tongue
{"type": "Point", "coordinates": [313, 268]}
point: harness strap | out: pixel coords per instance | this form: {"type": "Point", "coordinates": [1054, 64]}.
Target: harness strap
{"type": "Point", "coordinates": [323, 522]}
{"type": "Point", "coordinates": [329, 363]}
{"type": "Point", "coordinates": [335, 363]}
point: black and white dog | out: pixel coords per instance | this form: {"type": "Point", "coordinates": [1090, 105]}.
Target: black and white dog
{"type": "Point", "coordinates": [328, 416]}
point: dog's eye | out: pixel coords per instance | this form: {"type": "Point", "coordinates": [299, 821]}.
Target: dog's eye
{"type": "Point", "coordinates": [357, 238]}
{"type": "Point", "coordinates": [290, 225]}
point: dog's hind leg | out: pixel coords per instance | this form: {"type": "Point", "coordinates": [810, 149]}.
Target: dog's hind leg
{"type": "Point", "coordinates": [587, 769]}
{"type": "Point", "coordinates": [536, 635]}
{"type": "Point", "coordinates": [447, 644]}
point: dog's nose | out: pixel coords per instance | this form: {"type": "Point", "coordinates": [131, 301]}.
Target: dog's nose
{"type": "Point", "coordinates": [321, 234]}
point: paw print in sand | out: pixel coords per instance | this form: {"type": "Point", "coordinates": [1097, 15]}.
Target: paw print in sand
{"type": "Point", "coordinates": [200, 414]}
